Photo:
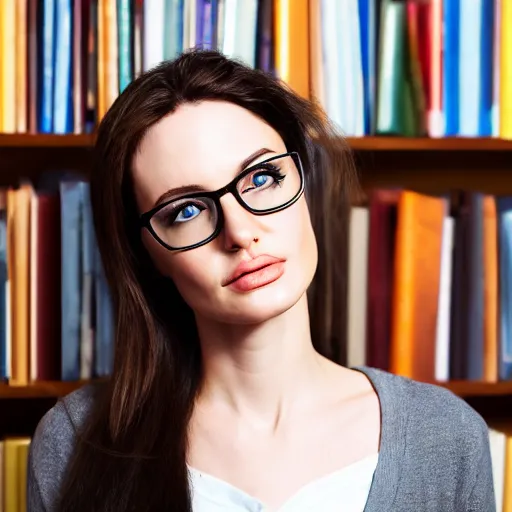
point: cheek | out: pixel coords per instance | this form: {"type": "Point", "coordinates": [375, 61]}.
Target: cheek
{"type": "Point", "coordinates": [308, 245]}
{"type": "Point", "coordinates": [297, 232]}
{"type": "Point", "coordinates": [191, 271]}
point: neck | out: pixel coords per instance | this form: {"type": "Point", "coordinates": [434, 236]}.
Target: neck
{"type": "Point", "coordinates": [259, 371]}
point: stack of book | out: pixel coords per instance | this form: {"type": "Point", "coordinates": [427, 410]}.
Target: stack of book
{"type": "Point", "coordinates": [55, 307]}
{"type": "Point", "coordinates": [13, 473]}
{"type": "Point", "coordinates": [410, 68]}
{"type": "Point", "coordinates": [430, 285]}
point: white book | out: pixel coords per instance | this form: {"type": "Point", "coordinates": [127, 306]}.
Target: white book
{"type": "Point", "coordinates": [331, 63]}
{"type": "Point", "coordinates": [229, 27]}
{"type": "Point", "coordinates": [359, 229]}
{"type": "Point", "coordinates": [221, 12]}
{"type": "Point", "coordinates": [351, 61]}
{"type": "Point", "coordinates": [497, 442]}
{"type": "Point", "coordinates": [442, 362]}
{"type": "Point", "coordinates": [153, 33]}
{"type": "Point", "coordinates": [246, 27]}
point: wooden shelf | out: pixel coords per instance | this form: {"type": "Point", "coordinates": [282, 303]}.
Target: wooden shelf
{"type": "Point", "coordinates": [357, 143]}
{"type": "Point", "coordinates": [57, 389]}
{"type": "Point", "coordinates": [426, 144]}
{"type": "Point", "coordinates": [45, 140]}
{"type": "Point", "coordinates": [474, 388]}
{"type": "Point", "coordinates": [40, 389]}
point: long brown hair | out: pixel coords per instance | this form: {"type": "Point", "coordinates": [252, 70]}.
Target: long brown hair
{"type": "Point", "coordinates": [131, 451]}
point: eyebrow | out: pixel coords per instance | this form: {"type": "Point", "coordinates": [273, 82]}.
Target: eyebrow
{"type": "Point", "coordinates": [189, 189]}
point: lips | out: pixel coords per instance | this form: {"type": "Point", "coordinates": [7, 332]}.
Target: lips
{"type": "Point", "coordinates": [251, 266]}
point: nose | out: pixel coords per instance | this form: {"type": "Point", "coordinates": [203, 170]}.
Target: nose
{"type": "Point", "coordinates": [241, 228]}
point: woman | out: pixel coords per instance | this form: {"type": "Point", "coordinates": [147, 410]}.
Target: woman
{"type": "Point", "coordinates": [219, 201]}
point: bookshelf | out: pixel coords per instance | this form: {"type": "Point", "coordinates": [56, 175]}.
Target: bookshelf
{"type": "Point", "coordinates": [380, 144]}
{"type": "Point", "coordinates": [429, 165]}
{"type": "Point", "coordinates": [57, 389]}
{"type": "Point", "coordinates": [422, 164]}
{"type": "Point", "coordinates": [427, 144]}
{"type": "Point", "coordinates": [469, 389]}
{"type": "Point", "coordinates": [50, 389]}
{"type": "Point", "coordinates": [26, 140]}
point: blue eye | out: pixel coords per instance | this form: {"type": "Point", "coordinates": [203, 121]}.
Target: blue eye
{"type": "Point", "coordinates": [260, 179]}
{"type": "Point", "coordinates": [189, 212]}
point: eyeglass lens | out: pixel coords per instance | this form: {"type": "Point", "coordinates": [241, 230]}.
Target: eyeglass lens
{"type": "Point", "coordinates": [189, 221]}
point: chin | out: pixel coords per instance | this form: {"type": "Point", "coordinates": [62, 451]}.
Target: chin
{"type": "Point", "coordinates": [261, 304]}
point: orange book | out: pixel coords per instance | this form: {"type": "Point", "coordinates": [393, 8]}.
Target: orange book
{"type": "Point", "coordinates": [416, 285]}
{"type": "Point", "coordinates": [292, 44]}
{"type": "Point", "coordinates": [108, 78]}
{"type": "Point", "coordinates": [490, 248]}
{"type": "Point", "coordinates": [101, 38]}
{"type": "Point", "coordinates": [15, 479]}
{"type": "Point", "coordinates": [18, 264]}
{"type": "Point", "coordinates": [21, 66]}
{"type": "Point", "coordinates": [7, 67]}
{"type": "Point", "coordinates": [111, 54]}
{"type": "Point", "coordinates": [507, 484]}
{"type": "Point", "coordinates": [78, 56]}
{"type": "Point", "coordinates": [317, 75]}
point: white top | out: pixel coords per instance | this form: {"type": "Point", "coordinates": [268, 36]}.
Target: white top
{"type": "Point", "coordinates": [346, 489]}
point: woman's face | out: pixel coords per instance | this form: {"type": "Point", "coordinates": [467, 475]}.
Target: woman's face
{"type": "Point", "coordinates": [204, 145]}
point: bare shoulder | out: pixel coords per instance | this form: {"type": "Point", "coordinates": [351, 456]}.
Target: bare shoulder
{"type": "Point", "coordinates": [352, 387]}
{"type": "Point", "coordinates": [356, 411]}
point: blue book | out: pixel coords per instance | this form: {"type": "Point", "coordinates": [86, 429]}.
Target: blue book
{"type": "Point", "coordinates": [214, 15]}
{"type": "Point", "coordinates": [367, 21]}
{"type": "Point", "coordinates": [63, 91]}
{"type": "Point", "coordinates": [173, 29]}
{"type": "Point", "coordinates": [470, 35]}
{"type": "Point", "coordinates": [200, 15]}
{"type": "Point", "coordinates": [486, 69]}
{"type": "Point", "coordinates": [451, 36]}
{"type": "Point", "coordinates": [124, 24]}
{"type": "Point", "coordinates": [71, 197]}
{"type": "Point", "coordinates": [206, 23]}
{"type": "Point", "coordinates": [104, 338]}
{"type": "Point", "coordinates": [504, 211]}
{"type": "Point", "coordinates": [46, 63]}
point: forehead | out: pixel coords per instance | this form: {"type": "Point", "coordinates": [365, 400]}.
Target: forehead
{"type": "Point", "coordinates": [201, 144]}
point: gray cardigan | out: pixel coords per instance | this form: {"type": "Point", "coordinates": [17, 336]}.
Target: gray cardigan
{"type": "Point", "coordinates": [434, 451]}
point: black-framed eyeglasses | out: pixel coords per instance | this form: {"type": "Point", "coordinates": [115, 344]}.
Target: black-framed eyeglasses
{"type": "Point", "coordinates": [192, 220]}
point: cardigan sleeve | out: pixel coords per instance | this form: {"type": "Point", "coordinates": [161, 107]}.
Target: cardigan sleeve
{"type": "Point", "coordinates": [34, 500]}
{"type": "Point", "coordinates": [49, 453]}
{"type": "Point", "coordinates": [482, 497]}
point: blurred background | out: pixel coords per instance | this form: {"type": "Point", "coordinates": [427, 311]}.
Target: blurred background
{"type": "Point", "coordinates": [421, 89]}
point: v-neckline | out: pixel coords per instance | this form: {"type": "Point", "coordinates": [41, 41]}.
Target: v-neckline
{"type": "Point", "coordinates": [387, 473]}
{"type": "Point", "coordinates": [323, 479]}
